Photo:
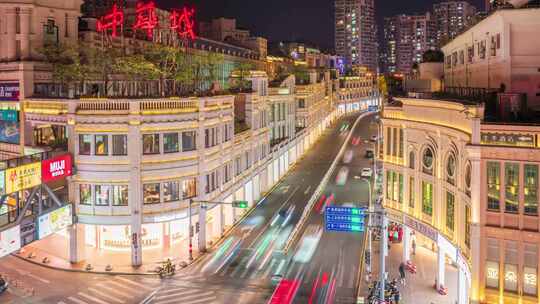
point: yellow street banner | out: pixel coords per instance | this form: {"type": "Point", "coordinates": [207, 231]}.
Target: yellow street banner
{"type": "Point", "coordinates": [23, 177]}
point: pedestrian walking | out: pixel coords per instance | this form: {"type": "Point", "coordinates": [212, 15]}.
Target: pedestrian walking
{"type": "Point", "coordinates": [402, 273]}
{"type": "Point", "coordinates": [396, 297]}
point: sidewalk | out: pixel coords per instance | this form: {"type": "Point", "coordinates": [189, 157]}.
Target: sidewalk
{"type": "Point", "coordinates": [419, 287]}
{"type": "Point", "coordinates": [56, 249]}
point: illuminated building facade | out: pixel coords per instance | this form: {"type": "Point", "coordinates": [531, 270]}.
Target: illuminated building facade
{"type": "Point", "coordinates": [356, 32]}
{"type": "Point", "coordinates": [452, 17]}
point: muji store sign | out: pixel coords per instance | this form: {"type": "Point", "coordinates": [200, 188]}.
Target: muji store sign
{"type": "Point", "coordinates": [180, 20]}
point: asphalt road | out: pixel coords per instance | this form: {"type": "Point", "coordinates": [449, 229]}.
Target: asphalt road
{"type": "Point", "coordinates": [240, 270]}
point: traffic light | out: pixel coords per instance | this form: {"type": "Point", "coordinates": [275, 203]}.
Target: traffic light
{"type": "Point", "coordinates": [240, 204]}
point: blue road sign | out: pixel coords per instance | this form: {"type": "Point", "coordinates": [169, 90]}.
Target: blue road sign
{"type": "Point", "coordinates": [345, 219]}
{"type": "Point", "coordinates": [373, 108]}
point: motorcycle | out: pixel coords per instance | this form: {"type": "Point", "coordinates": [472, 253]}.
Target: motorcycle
{"type": "Point", "coordinates": [3, 285]}
{"type": "Point", "coordinates": [168, 269]}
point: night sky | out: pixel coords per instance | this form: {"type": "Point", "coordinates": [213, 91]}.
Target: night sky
{"type": "Point", "coordinates": [306, 20]}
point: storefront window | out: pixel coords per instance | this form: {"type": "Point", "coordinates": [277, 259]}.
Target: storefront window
{"type": "Point", "coordinates": [511, 174]}
{"type": "Point", "coordinates": [85, 144]}
{"type": "Point", "coordinates": [151, 143]}
{"type": "Point", "coordinates": [171, 191]}
{"type": "Point", "coordinates": [450, 211]}
{"type": "Point", "coordinates": [120, 195]}
{"type": "Point", "coordinates": [189, 141]}
{"type": "Point", "coordinates": [530, 281]}
{"type": "Point", "coordinates": [494, 185]}
{"type": "Point", "coordinates": [102, 195]}
{"type": "Point", "coordinates": [189, 188]}
{"type": "Point", "coordinates": [427, 198]}
{"type": "Point", "coordinates": [101, 145]}
{"type": "Point", "coordinates": [492, 274]}
{"type": "Point", "coordinates": [85, 194]}
{"type": "Point", "coordinates": [510, 277]}
{"type": "Point", "coordinates": [170, 142]}
{"type": "Point", "coordinates": [151, 193]}
{"type": "Point", "coordinates": [530, 189]}
{"type": "Point", "coordinates": [119, 143]}
{"type": "Point", "coordinates": [412, 191]}
{"type": "Point", "coordinates": [427, 161]}
{"type": "Point", "coordinates": [451, 169]}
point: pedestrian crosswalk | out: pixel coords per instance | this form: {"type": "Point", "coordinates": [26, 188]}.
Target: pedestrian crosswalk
{"type": "Point", "coordinates": [184, 295]}
{"type": "Point", "coordinates": [116, 290]}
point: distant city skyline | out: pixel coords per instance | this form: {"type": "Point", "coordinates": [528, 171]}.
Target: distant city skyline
{"type": "Point", "coordinates": [311, 21]}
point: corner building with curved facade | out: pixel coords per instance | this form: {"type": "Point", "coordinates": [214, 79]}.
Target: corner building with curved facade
{"type": "Point", "coordinates": [469, 196]}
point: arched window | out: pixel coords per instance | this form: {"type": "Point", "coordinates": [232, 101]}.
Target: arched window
{"type": "Point", "coordinates": [428, 158]}
{"type": "Point", "coordinates": [412, 160]}
{"type": "Point", "coordinates": [468, 178]}
{"type": "Point", "coordinates": [451, 168]}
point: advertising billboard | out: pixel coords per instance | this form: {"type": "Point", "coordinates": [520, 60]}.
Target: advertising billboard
{"type": "Point", "coordinates": [9, 132]}
{"type": "Point", "coordinates": [10, 240]}
{"type": "Point", "coordinates": [9, 91]}
{"type": "Point", "coordinates": [56, 168]}
{"type": "Point", "coordinates": [54, 221]}
{"type": "Point", "coordinates": [23, 177]}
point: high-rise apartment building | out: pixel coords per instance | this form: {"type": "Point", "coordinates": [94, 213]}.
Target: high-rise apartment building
{"type": "Point", "coordinates": [406, 38]}
{"type": "Point", "coordinates": [452, 17]}
{"type": "Point", "coordinates": [356, 32]}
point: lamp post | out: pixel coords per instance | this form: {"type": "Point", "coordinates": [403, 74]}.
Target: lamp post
{"type": "Point", "coordinates": [369, 222]}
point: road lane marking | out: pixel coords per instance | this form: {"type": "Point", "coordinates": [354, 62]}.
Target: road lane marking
{"type": "Point", "coordinates": [307, 190]}
{"type": "Point", "coordinates": [118, 292]}
{"type": "Point", "coordinates": [101, 294]}
{"type": "Point", "coordinates": [128, 288]}
{"type": "Point", "coordinates": [77, 300]}
{"type": "Point", "coordinates": [237, 269]}
{"type": "Point", "coordinates": [135, 283]}
{"type": "Point", "coordinates": [176, 294]}
{"type": "Point", "coordinates": [185, 300]}
{"type": "Point", "coordinates": [84, 295]}
{"type": "Point", "coordinates": [352, 275]}
{"type": "Point", "coordinates": [38, 278]}
{"type": "Point", "coordinates": [205, 300]}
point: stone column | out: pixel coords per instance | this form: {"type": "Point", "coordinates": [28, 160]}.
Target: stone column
{"type": "Point", "coordinates": [202, 228]}
{"type": "Point", "coordinates": [76, 243]}
{"type": "Point", "coordinates": [440, 267]}
{"type": "Point", "coordinates": [135, 198]}
{"type": "Point", "coordinates": [25, 19]}
{"type": "Point", "coordinates": [406, 244]}
{"type": "Point", "coordinates": [462, 287]}
{"type": "Point", "coordinates": [9, 45]}
{"type": "Point", "coordinates": [475, 237]}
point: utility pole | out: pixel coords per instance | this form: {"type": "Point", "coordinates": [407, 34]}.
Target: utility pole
{"type": "Point", "coordinates": [383, 251]}
{"type": "Point", "coordinates": [190, 231]}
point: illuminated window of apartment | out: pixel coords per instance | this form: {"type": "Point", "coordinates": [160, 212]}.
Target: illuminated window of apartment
{"type": "Point", "coordinates": [427, 161]}
{"type": "Point", "coordinates": [511, 181]}
{"type": "Point", "coordinates": [494, 185]}
{"type": "Point", "coordinates": [492, 263]}
{"type": "Point", "coordinates": [400, 193]}
{"type": "Point", "coordinates": [171, 191]}
{"type": "Point", "coordinates": [427, 198]}
{"type": "Point", "coordinates": [170, 143]}
{"type": "Point", "coordinates": [412, 159]}
{"type": "Point", "coordinates": [451, 169]}
{"type": "Point", "coordinates": [85, 144]}
{"type": "Point", "coordinates": [511, 266]}
{"type": "Point", "coordinates": [151, 194]}
{"type": "Point", "coordinates": [450, 214]}
{"type": "Point", "coordinates": [530, 189]}
{"type": "Point", "coordinates": [150, 143]}
{"type": "Point", "coordinates": [189, 188]}
{"type": "Point", "coordinates": [85, 194]}
{"type": "Point", "coordinates": [189, 141]}
{"type": "Point", "coordinates": [101, 145]}
{"type": "Point", "coordinates": [412, 191]}
{"type": "Point", "coordinates": [102, 195]}
{"type": "Point", "coordinates": [119, 144]}
{"type": "Point", "coordinates": [120, 195]}
{"type": "Point", "coordinates": [530, 269]}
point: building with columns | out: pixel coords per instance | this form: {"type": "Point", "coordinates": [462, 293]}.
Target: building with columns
{"type": "Point", "coordinates": [444, 169]}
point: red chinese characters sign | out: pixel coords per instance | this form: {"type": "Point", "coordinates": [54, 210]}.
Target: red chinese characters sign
{"type": "Point", "coordinates": [112, 21]}
{"type": "Point", "coordinates": [55, 168]}
{"type": "Point", "coordinates": [146, 18]}
{"type": "Point", "coordinates": [180, 20]}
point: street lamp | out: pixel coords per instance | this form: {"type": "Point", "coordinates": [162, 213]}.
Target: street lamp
{"type": "Point", "coordinates": [369, 222]}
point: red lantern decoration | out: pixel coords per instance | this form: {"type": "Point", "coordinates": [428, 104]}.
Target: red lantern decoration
{"type": "Point", "coordinates": [182, 22]}
{"type": "Point", "coordinates": [146, 18]}
{"type": "Point", "coordinates": [111, 21]}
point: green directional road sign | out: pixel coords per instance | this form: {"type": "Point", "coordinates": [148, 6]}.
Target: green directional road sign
{"type": "Point", "coordinates": [240, 204]}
